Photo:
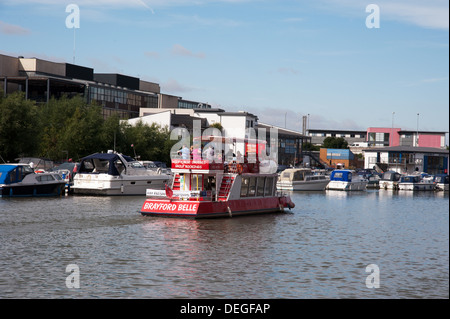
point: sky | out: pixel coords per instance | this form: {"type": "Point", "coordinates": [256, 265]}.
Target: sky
{"type": "Point", "coordinates": [280, 60]}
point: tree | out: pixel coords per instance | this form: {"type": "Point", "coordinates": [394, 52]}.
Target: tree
{"type": "Point", "coordinates": [19, 129]}
{"type": "Point", "coordinates": [335, 142]}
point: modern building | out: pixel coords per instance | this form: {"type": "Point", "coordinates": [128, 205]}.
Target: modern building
{"type": "Point", "coordinates": [407, 159]}
{"type": "Point", "coordinates": [118, 94]}
{"type": "Point", "coordinates": [381, 137]}
{"type": "Point", "coordinates": [351, 136]}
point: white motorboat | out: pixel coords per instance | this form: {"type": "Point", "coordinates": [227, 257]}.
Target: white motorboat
{"type": "Point", "coordinates": [415, 183]}
{"type": "Point", "coordinates": [346, 180]}
{"type": "Point", "coordinates": [115, 174]}
{"type": "Point", "coordinates": [389, 180]}
{"type": "Point", "coordinates": [441, 182]}
{"type": "Point", "coordinates": [301, 179]}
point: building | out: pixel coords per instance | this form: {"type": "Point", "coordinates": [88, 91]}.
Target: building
{"type": "Point", "coordinates": [407, 159]}
{"type": "Point", "coordinates": [381, 137]}
{"type": "Point", "coordinates": [351, 136]}
{"type": "Point", "coordinates": [343, 158]}
{"type": "Point", "coordinates": [118, 94]}
{"type": "Point", "coordinates": [234, 124]}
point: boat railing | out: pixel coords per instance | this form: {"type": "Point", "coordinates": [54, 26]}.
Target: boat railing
{"type": "Point", "coordinates": [181, 195]}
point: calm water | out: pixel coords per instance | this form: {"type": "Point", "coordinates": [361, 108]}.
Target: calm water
{"type": "Point", "coordinates": [319, 250]}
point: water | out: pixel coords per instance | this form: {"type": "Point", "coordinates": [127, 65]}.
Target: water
{"type": "Point", "coordinates": [319, 250]}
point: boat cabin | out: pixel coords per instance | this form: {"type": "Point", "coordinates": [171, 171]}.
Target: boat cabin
{"type": "Point", "coordinates": [219, 175]}
{"type": "Point", "coordinates": [391, 176]}
{"type": "Point", "coordinates": [410, 179]}
{"type": "Point", "coordinates": [343, 175]}
{"type": "Point", "coordinates": [13, 173]}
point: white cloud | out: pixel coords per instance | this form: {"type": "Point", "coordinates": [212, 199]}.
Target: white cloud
{"type": "Point", "coordinates": [11, 29]}
{"type": "Point", "coordinates": [178, 49]}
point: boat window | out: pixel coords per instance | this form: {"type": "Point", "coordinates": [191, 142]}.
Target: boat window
{"type": "Point", "coordinates": [349, 177]}
{"type": "Point", "coordinates": [338, 175]}
{"type": "Point", "coordinates": [268, 190]}
{"type": "Point", "coordinates": [260, 186]}
{"type": "Point", "coordinates": [197, 182]}
{"type": "Point", "coordinates": [298, 176]}
{"type": "Point", "coordinates": [286, 175]}
{"type": "Point", "coordinates": [252, 187]}
{"type": "Point", "coordinates": [244, 187]}
{"type": "Point", "coordinates": [12, 176]}
{"type": "Point", "coordinates": [45, 178]}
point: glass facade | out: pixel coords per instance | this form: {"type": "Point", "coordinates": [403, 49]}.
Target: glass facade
{"type": "Point", "coordinates": [122, 102]}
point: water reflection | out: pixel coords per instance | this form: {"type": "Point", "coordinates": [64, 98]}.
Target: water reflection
{"type": "Point", "coordinates": [319, 250]}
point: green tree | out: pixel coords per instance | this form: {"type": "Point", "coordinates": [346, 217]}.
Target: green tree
{"type": "Point", "coordinates": [19, 129]}
{"type": "Point", "coordinates": [335, 142]}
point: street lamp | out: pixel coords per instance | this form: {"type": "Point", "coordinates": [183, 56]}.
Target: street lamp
{"type": "Point", "coordinates": [391, 140]}
{"type": "Point", "coordinates": [417, 137]}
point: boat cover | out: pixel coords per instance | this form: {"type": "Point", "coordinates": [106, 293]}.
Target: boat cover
{"type": "Point", "coordinates": [4, 172]}
{"type": "Point", "coordinates": [111, 158]}
{"type": "Point", "coordinates": [341, 175]}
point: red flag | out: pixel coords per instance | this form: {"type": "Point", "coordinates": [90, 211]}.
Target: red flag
{"type": "Point", "coordinates": [169, 192]}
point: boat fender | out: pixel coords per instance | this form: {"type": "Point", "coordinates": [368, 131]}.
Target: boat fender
{"type": "Point", "coordinates": [229, 212]}
{"type": "Point", "coordinates": [239, 168]}
{"type": "Point", "coordinates": [158, 170]}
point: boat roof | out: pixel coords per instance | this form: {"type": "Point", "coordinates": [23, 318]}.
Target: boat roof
{"type": "Point", "coordinates": [107, 157]}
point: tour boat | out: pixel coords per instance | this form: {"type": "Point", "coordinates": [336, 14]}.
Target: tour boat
{"type": "Point", "coordinates": [115, 174]}
{"type": "Point", "coordinates": [217, 188]}
{"type": "Point", "coordinates": [301, 179]}
{"type": "Point", "coordinates": [346, 180]}
{"type": "Point", "coordinates": [20, 180]}
{"type": "Point", "coordinates": [415, 183]}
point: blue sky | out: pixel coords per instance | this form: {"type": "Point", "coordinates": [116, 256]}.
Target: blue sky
{"type": "Point", "coordinates": [277, 59]}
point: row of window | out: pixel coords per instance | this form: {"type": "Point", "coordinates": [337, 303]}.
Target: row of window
{"type": "Point", "coordinates": [122, 97]}
{"type": "Point", "coordinates": [257, 186]}
{"type": "Point", "coordinates": [336, 135]}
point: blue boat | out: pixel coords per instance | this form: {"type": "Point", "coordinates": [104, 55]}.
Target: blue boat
{"type": "Point", "coordinates": [19, 180]}
{"type": "Point", "coordinates": [346, 180]}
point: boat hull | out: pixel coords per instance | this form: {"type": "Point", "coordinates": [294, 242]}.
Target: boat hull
{"type": "Point", "coordinates": [212, 209]}
{"type": "Point", "coordinates": [347, 186]}
{"type": "Point", "coordinates": [106, 185]}
{"type": "Point", "coordinates": [55, 189]}
{"type": "Point", "coordinates": [416, 186]}
{"type": "Point", "coordinates": [303, 186]}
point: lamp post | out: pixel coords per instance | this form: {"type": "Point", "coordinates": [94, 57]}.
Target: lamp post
{"type": "Point", "coordinates": [391, 140]}
{"type": "Point", "coordinates": [417, 133]}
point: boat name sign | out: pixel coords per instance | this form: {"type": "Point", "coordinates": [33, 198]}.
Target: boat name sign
{"type": "Point", "coordinates": [170, 207]}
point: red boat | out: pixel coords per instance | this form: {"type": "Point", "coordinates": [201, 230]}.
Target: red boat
{"type": "Point", "coordinates": [219, 188]}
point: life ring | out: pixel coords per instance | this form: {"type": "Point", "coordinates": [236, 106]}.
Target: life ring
{"type": "Point", "coordinates": [239, 168]}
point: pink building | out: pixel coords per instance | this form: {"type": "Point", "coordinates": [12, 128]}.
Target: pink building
{"type": "Point", "coordinates": [386, 136]}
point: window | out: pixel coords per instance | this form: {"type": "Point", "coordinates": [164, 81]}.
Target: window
{"type": "Point", "coordinates": [244, 187]}
{"type": "Point", "coordinates": [260, 186]}
{"type": "Point", "coordinates": [268, 189]}
{"type": "Point", "coordinates": [252, 187]}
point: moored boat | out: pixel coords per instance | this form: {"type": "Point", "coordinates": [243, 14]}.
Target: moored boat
{"type": "Point", "coordinates": [441, 182]}
{"type": "Point", "coordinates": [20, 180]}
{"type": "Point", "coordinates": [346, 180]}
{"type": "Point", "coordinates": [415, 183]}
{"type": "Point", "coordinates": [115, 174]}
{"type": "Point", "coordinates": [389, 180]}
{"type": "Point", "coordinates": [301, 179]}
{"type": "Point", "coordinates": [211, 189]}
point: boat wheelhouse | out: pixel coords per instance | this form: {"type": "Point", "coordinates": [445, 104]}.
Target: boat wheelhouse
{"type": "Point", "coordinates": [206, 188]}
{"type": "Point", "coordinates": [20, 180]}
{"type": "Point", "coordinates": [115, 174]}
{"type": "Point", "coordinates": [301, 179]}
{"type": "Point", "coordinates": [346, 180]}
